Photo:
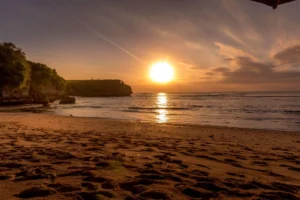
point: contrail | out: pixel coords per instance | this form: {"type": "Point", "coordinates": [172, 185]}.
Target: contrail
{"type": "Point", "coordinates": [99, 34]}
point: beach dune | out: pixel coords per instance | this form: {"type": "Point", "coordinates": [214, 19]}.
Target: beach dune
{"type": "Point", "coordinates": [45, 156]}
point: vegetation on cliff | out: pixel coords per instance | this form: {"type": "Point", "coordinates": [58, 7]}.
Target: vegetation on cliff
{"type": "Point", "coordinates": [14, 71]}
{"type": "Point", "coordinates": [23, 81]}
{"type": "Point", "coordinates": [98, 88]}
{"type": "Point", "coordinates": [45, 82]}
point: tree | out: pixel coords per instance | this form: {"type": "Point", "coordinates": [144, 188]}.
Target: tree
{"type": "Point", "coordinates": [13, 65]}
{"type": "Point", "coordinates": [45, 81]}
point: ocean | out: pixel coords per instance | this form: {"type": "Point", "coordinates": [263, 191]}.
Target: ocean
{"type": "Point", "coordinates": [260, 110]}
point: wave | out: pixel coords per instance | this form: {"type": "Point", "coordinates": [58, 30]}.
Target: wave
{"type": "Point", "coordinates": [149, 112]}
{"type": "Point", "coordinates": [273, 96]}
{"type": "Point", "coordinates": [201, 106]}
{"type": "Point", "coordinates": [85, 106]}
{"type": "Point", "coordinates": [139, 111]}
{"type": "Point", "coordinates": [205, 95]}
{"type": "Point", "coordinates": [157, 108]}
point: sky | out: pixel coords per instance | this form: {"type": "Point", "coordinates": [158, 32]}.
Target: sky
{"type": "Point", "coordinates": [214, 46]}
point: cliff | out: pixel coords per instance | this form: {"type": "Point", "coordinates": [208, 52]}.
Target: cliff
{"type": "Point", "coordinates": [98, 88]}
{"type": "Point", "coordinates": [46, 84]}
{"type": "Point", "coordinates": [23, 81]}
{"type": "Point", "coordinates": [14, 72]}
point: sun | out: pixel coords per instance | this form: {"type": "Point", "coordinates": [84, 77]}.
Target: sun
{"type": "Point", "coordinates": [161, 72]}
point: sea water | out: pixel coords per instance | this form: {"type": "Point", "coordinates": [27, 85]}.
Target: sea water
{"type": "Point", "coordinates": [261, 110]}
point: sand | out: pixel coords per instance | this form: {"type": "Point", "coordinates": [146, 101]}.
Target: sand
{"type": "Point", "coordinates": [45, 156]}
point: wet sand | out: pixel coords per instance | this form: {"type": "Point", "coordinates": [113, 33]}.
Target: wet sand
{"type": "Point", "coordinates": [53, 157]}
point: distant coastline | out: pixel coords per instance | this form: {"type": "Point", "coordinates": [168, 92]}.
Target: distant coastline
{"type": "Point", "coordinates": [98, 88]}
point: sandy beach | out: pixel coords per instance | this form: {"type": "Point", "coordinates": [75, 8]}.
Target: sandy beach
{"type": "Point", "coordinates": [53, 157]}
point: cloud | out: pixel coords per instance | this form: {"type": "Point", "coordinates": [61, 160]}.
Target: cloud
{"type": "Point", "coordinates": [222, 70]}
{"type": "Point", "coordinates": [194, 45]}
{"type": "Point", "coordinates": [230, 52]}
{"type": "Point", "coordinates": [256, 72]}
{"type": "Point", "coordinates": [252, 72]}
{"type": "Point", "coordinates": [289, 57]}
{"type": "Point", "coordinates": [232, 35]}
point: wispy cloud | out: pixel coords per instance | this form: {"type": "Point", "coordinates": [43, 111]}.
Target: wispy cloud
{"type": "Point", "coordinates": [250, 72]}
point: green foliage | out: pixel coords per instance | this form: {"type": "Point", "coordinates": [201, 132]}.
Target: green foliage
{"type": "Point", "coordinates": [43, 76]}
{"type": "Point", "coordinates": [45, 82]}
{"type": "Point", "coordinates": [25, 78]}
{"type": "Point", "coordinates": [13, 66]}
{"type": "Point", "coordinates": [98, 88]}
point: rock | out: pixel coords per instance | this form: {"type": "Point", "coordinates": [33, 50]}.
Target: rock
{"type": "Point", "coordinates": [36, 192]}
{"type": "Point", "coordinates": [46, 104]}
{"type": "Point", "coordinates": [67, 100]}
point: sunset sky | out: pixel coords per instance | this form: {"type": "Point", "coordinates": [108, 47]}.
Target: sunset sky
{"type": "Point", "coordinates": [216, 45]}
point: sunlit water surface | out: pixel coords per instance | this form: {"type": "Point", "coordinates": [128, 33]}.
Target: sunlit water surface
{"type": "Point", "coordinates": [280, 111]}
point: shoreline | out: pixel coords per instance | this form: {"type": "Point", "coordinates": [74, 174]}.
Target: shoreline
{"type": "Point", "coordinates": [19, 107]}
{"type": "Point", "coordinates": [194, 125]}
{"type": "Point", "coordinates": [44, 110]}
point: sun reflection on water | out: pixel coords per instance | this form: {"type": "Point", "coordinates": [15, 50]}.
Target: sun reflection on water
{"type": "Point", "coordinates": [161, 102]}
